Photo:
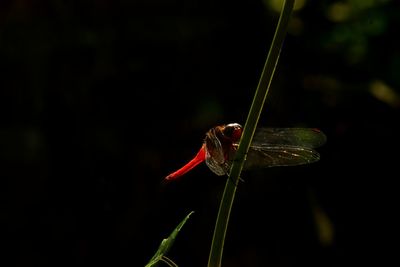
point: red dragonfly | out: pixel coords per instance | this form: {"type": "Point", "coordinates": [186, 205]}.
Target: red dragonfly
{"type": "Point", "coordinates": [270, 147]}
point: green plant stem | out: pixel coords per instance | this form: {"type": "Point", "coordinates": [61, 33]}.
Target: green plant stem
{"type": "Point", "coordinates": [168, 261]}
{"type": "Point", "coordinates": [217, 245]}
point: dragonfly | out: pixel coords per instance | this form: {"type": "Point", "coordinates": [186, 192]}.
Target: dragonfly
{"type": "Point", "coordinates": [270, 147]}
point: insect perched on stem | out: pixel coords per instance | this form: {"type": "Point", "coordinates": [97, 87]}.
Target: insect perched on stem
{"type": "Point", "coordinates": [270, 147]}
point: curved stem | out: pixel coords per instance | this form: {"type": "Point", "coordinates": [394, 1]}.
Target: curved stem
{"type": "Point", "coordinates": [217, 245]}
{"type": "Point", "coordinates": [168, 261]}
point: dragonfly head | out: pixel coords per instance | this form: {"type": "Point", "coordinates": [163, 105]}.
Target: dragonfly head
{"type": "Point", "coordinates": [233, 131]}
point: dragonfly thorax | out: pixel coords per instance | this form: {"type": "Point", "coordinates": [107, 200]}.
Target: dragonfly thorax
{"type": "Point", "coordinates": [220, 145]}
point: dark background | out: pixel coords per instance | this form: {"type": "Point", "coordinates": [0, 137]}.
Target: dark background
{"type": "Point", "coordinates": [100, 100]}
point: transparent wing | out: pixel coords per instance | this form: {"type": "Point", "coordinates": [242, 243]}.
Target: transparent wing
{"type": "Point", "coordinates": [279, 155]}
{"type": "Point", "coordinates": [270, 147]}
{"type": "Point", "coordinates": [215, 159]}
{"type": "Point", "coordinates": [219, 168]}
{"type": "Point", "coordinates": [295, 137]}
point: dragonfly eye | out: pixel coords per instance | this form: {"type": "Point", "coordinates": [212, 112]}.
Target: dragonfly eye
{"type": "Point", "coordinates": [233, 131]}
{"type": "Point", "coordinates": [233, 125]}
